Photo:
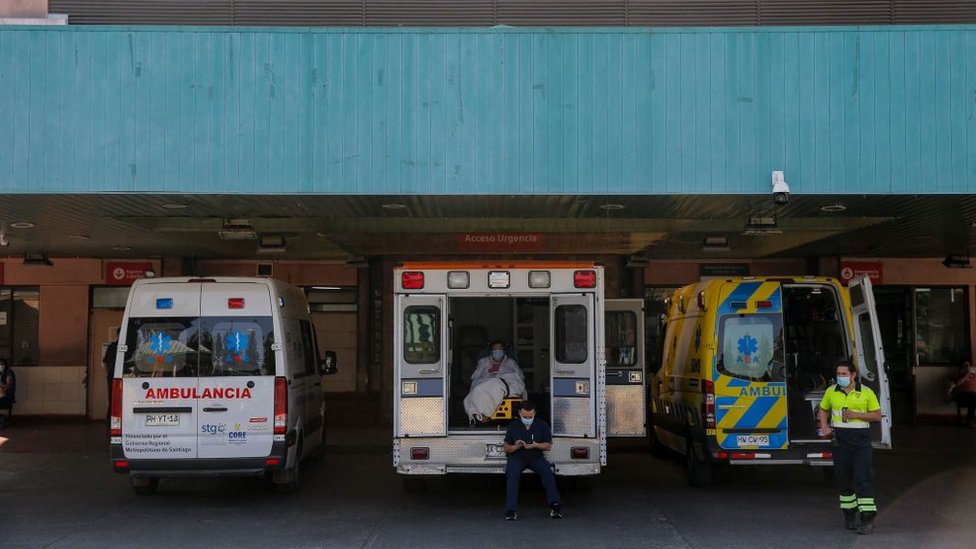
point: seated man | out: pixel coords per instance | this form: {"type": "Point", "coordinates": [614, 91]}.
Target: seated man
{"type": "Point", "coordinates": [525, 441]}
{"type": "Point", "coordinates": [8, 389]}
{"type": "Point", "coordinates": [496, 377]}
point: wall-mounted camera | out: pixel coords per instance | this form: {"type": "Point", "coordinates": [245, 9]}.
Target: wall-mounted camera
{"type": "Point", "coordinates": [781, 191]}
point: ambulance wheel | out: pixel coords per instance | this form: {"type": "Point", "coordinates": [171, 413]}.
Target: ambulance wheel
{"type": "Point", "coordinates": [658, 450]}
{"type": "Point", "coordinates": [287, 481]}
{"type": "Point", "coordinates": [144, 486]}
{"type": "Point", "coordinates": [700, 471]}
{"type": "Point", "coordinates": [827, 474]}
{"type": "Point", "coordinates": [414, 484]}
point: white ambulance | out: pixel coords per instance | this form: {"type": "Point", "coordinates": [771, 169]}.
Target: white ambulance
{"type": "Point", "coordinates": [216, 376]}
{"type": "Point", "coordinates": [551, 316]}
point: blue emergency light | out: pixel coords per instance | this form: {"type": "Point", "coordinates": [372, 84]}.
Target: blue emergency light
{"type": "Point", "coordinates": [164, 303]}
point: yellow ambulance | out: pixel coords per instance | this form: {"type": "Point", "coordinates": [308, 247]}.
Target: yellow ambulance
{"type": "Point", "coordinates": [746, 362]}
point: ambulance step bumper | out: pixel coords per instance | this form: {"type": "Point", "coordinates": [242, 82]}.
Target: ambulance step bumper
{"type": "Point", "coordinates": [237, 467]}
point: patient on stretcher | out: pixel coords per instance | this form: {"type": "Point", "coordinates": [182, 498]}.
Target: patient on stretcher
{"type": "Point", "coordinates": [496, 377]}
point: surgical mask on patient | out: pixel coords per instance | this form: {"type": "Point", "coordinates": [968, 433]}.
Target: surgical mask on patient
{"type": "Point", "coordinates": [497, 354]}
{"type": "Point", "coordinates": [527, 421]}
{"type": "Point", "coordinates": [843, 381]}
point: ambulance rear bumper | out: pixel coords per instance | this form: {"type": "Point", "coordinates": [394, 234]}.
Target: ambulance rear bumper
{"type": "Point", "coordinates": [200, 467]}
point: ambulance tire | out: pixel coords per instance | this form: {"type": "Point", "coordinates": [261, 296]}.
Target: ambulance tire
{"type": "Point", "coordinates": [658, 449]}
{"type": "Point", "coordinates": [414, 484]}
{"type": "Point", "coordinates": [288, 481]}
{"type": "Point", "coordinates": [701, 472]}
{"type": "Point", "coordinates": [144, 486]}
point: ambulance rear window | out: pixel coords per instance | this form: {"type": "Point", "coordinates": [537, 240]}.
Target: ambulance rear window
{"type": "Point", "coordinates": [571, 334]}
{"type": "Point", "coordinates": [752, 347]}
{"type": "Point", "coordinates": [161, 347]}
{"type": "Point", "coordinates": [421, 335]}
{"type": "Point", "coordinates": [237, 346]}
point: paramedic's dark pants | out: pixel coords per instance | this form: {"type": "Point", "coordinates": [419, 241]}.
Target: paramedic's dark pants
{"type": "Point", "coordinates": [854, 469]}
{"type": "Point", "coordinates": [513, 477]}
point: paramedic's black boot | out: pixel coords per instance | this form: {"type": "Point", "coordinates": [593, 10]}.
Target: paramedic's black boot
{"type": "Point", "coordinates": [867, 523]}
{"type": "Point", "coordinates": [555, 511]}
{"type": "Point", "coordinates": [850, 519]}
{"type": "Point", "coordinates": [511, 515]}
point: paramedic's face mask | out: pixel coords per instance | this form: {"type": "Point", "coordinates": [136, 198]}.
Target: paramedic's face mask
{"type": "Point", "coordinates": [497, 354]}
{"type": "Point", "coordinates": [527, 417]}
{"type": "Point", "coordinates": [844, 377]}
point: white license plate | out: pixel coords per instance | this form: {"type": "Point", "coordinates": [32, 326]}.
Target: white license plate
{"type": "Point", "coordinates": [494, 451]}
{"type": "Point", "coordinates": [752, 440]}
{"type": "Point", "coordinates": [162, 420]}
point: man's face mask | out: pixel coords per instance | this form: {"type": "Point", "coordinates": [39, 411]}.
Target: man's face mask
{"type": "Point", "coordinates": [497, 354]}
{"type": "Point", "coordinates": [527, 421]}
{"type": "Point", "coordinates": [843, 381]}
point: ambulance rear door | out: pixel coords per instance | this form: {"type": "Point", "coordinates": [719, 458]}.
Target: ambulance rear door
{"type": "Point", "coordinates": [238, 352]}
{"type": "Point", "coordinates": [573, 369]}
{"type": "Point", "coordinates": [421, 357]}
{"type": "Point", "coordinates": [870, 354]}
{"type": "Point", "coordinates": [625, 373]}
{"type": "Point", "coordinates": [159, 371]}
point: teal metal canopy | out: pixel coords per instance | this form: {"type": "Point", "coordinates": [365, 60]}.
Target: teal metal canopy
{"type": "Point", "coordinates": [866, 110]}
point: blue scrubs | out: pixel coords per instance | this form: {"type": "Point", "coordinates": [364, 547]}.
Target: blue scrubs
{"type": "Point", "coordinates": [523, 459]}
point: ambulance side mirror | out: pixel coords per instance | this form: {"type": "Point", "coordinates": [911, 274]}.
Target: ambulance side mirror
{"type": "Point", "coordinates": [329, 364]}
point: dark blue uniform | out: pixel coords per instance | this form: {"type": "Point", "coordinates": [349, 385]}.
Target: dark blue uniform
{"type": "Point", "coordinates": [523, 459]}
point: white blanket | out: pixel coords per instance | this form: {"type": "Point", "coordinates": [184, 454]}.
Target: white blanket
{"type": "Point", "coordinates": [484, 397]}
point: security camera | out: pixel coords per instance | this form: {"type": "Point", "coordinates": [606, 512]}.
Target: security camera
{"type": "Point", "coordinates": [781, 191]}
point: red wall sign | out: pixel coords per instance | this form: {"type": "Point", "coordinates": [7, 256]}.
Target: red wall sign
{"type": "Point", "coordinates": [501, 242]}
{"type": "Point", "coordinates": [124, 273]}
{"type": "Point", "coordinates": [850, 269]}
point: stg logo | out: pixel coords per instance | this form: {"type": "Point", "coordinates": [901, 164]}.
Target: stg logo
{"type": "Point", "coordinates": [213, 428]}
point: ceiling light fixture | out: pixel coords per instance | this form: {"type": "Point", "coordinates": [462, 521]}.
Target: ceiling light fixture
{"type": "Point", "coordinates": [394, 206]}
{"type": "Point", "coordinates": [833, 208]}
{"type": "Point", "coordinates": [173, 206]}
{"type": "Point", "coordinates": [237, 229]}
{"type": "Point", "coordinates": [78, 236]}
{"type": "Point", "coordinates": [22, 225]}
{"type": "Point", "coordinates": [121, 248]}
{"type": "Point", "coordinates": [271, 244]}
{"type": "Point", "coordinates": [715, 244]}
{"type": "Point", "coordinates": [609, 207]}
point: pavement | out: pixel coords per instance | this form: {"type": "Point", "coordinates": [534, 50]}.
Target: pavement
{"type": "Point", "coordinates": [57, 490]}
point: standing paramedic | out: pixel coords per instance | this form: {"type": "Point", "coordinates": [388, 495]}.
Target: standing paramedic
{"type": "Point", "coordinates": [852, 408]}
{"type": "Point", "coordinates": [525, 441]}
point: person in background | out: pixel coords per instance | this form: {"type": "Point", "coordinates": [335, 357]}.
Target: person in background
{"type": "Point", "coordinates": [852, 407]}
{"type": "Point", "coordinates": [8, 390]}
{"type": "Point", "coordinates": [525, 441]}
{"type": "Point", "coordinates": [964, 392]}
{"type": "Point", "coordinates": [108, 362]}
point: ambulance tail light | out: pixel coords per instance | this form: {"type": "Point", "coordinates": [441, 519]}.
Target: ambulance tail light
{"type": "Point", "coordinates": [412, 280]}
{"type": "Point", "coordinates": [272, 462]}
{"type": "Point", "coordinates": [121, 465]}
{"type": "Point", "coordinates": [708, 404]}
{"type": "Point", "coordinates": [116, 427]}
{"type": "Point", "coordinates": [419, 452]}
{"type": "Point", "coordinates": [280, 406]}
{"type": "Point", "coordinates": [742, 455]}
{"type": "Point", "coordinates": [579, 452]}
{"type": "Point", "coordinates": [765, 304]}
{"type": "Point", "coordinates": [584, 279]}
{"type": "Point", "coordinates": [235, 302]}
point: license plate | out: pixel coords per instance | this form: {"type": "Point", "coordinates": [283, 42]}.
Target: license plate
{"type": "Point", "coordinates": [494, 451]}
{"type": "Point", "coordinates": [162, 420]}
{"type": "Point", "coordinates": [752, 440]}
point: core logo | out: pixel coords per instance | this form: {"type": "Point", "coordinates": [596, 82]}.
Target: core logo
{"type": "Point", "coordinates": [237, 436]}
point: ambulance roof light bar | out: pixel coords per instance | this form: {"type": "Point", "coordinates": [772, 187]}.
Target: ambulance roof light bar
{"type": "Point", "coordinates": [584, 279]}
{"type": "Point", "coordinates": [460, 280]}
{"type": "Point", "coordinates": [540, 279]}
{"type": "Point", "coordinates": [412, 280]}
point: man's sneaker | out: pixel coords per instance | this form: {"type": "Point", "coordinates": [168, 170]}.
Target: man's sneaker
{"type": "Point", "coordinates": [511, 515]}
{"type": "Point", "coordinates": [555, 512]}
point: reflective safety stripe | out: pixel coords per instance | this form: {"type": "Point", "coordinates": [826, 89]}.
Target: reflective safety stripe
{"type": "Point", "coordinates": [848, 502]}
{"type": "Point", "coordinates": [867, 505]}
